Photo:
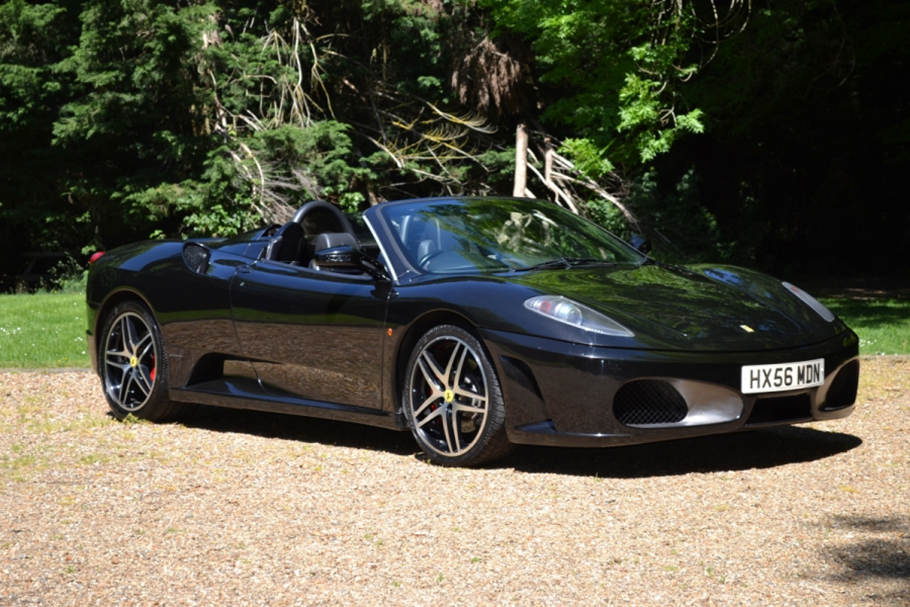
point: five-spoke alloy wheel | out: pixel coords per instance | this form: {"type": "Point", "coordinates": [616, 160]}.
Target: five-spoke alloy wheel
{"type": "Point", "coordinates": [452, 399]}
{"type": "Point", "coordinates": [133, 365]}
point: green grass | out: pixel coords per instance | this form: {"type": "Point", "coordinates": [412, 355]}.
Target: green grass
{"type": "Point", "coordinates": [43, 330]}
{"type": "Point", "coordinates": [48, 329]}
{"type": "Point", "coordinates": [883, 325]}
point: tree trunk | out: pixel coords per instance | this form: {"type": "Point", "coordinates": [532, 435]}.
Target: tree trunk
{"type": "Point", "coordinates": [521, 161]}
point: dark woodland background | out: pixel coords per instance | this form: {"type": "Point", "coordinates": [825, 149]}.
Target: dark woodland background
{"type": "Point", "coordinates": [767, 133]}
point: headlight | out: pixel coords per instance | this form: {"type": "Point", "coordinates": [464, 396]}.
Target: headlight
{"type": "Point", "coordinates": [575, 314]}
{"type": "Point", "coordinates": [810, 301]}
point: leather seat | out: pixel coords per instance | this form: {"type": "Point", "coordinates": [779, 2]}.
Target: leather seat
{"type": "Point", "coordinates": [286, 244]}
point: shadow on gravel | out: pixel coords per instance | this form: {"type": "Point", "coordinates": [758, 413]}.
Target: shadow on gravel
{"type": "Point", "coordinates": [303, 429]}
{"type": "Point", "coordinates": [720, 453]}
{"type": "Point", "coordinates": [885, 557]}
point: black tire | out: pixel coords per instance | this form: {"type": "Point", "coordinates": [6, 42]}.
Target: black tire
{"type": "Point", "coordinates": [453, 401]}
{"type": "Point", "coordinates": [133, 365]}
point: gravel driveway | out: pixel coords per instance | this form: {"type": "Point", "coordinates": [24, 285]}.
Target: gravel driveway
{"type": "Point", "coordinates": [246, 508]}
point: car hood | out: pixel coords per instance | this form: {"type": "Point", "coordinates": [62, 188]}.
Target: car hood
{"type": "Point", "coordinates": [700, 308]}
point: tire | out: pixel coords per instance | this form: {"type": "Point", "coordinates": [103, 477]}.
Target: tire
{"type": "Point", "coordinates": [452, 399]}
{"type": "Point", "coordinates": [134, 366]}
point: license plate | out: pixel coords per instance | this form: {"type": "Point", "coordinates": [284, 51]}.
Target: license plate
{"type": "Point", "coordinates": [785, 376]}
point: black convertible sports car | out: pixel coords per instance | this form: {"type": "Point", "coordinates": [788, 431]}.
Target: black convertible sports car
{"type": "Point", "coordinates": [477, 323]}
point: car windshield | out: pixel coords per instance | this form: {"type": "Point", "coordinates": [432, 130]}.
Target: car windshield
{"type": "Point", "coordinates": [449, 236]}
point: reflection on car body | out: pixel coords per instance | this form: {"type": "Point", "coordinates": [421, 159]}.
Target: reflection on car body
{"type": "Point", "coordinates": [475, 323]}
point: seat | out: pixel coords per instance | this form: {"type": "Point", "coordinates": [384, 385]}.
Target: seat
{"type": "Point", "coordinates": [286, 244]}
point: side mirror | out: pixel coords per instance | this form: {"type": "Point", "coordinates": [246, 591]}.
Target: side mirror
{"type": "Point", "coordinates": [642, 244]}
{"type": "Point", "coordinates": [349, 258]}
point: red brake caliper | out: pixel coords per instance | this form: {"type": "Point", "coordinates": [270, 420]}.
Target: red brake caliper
{"type": "Point", "coordinates": [152, 374]}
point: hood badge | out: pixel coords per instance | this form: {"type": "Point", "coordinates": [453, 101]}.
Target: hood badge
{"type": "Point", "coordinates": [747, 328]}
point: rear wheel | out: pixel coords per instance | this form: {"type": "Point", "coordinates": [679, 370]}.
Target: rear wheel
{"type": "Point", "coordinates": [134, 365]}
{"type": "Point", "coordinates": [453, 401]}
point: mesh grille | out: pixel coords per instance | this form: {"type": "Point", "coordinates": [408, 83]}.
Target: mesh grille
{"type": "Point", "coordinates": [647, 402]}
{"type": "Point", "coordinates": [196, 257]}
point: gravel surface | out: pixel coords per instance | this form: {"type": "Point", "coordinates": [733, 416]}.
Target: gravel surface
{"type": "Point", "coordinates": [246, 508]}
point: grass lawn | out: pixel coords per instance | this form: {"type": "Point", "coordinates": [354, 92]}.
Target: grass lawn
{"type": "Point", "coordinates": [48, 329]}
{"type": "Point", "coordinates": [43, 330]}
{"type": "Point", "coordinates": [883, 325]}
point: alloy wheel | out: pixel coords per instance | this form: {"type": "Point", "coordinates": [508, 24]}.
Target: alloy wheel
{"type": "Point", "coordinates": [449, 396]}
{"type": "Point", "coordinates": [130, 356]}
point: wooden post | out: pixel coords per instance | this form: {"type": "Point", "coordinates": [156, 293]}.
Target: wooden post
{"type": "Point", "coordinates": [548, 162]}
{"type": "Point", "coordinates": [521, 161]}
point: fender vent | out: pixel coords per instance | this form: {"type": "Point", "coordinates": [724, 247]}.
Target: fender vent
{"type": "Point", "coordinates": [649, 402]}
{"type": "Point", "coordinates": [196, 257]}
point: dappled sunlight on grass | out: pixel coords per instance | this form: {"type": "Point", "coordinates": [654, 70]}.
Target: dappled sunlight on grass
{"type": "Point", "coordinates": [883, 325]}
{"type": "Point", "coordinates": [43, 330]}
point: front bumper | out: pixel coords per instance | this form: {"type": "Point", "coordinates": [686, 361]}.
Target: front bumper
{"type": "Point", "coordinates": [562, 394]}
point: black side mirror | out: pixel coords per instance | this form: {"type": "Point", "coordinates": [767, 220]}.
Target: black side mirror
{"type": "Point", "coordinates": [642, 244]}
{"type": "Point", "coordinates": [349, 258]}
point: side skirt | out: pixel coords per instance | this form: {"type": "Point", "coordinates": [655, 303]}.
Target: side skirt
{"type": "Point", "coordinates": [248, 395]}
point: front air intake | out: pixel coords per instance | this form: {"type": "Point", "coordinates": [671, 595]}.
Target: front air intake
{"type": "Point", "coordinates": [842, 392]}
{"type": "Point", "coordinates": [649, 402]}
{"type": "Point", "coordinates": [780, 410]}
{"type": "Point", "coordinates": [196, 257]}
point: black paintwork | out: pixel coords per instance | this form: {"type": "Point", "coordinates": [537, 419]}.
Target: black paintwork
{"type": "Point", "coordinates": [252, 333]}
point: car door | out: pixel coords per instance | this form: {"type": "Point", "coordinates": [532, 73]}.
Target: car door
{"type": "Point", "coordinates": [314, 335]}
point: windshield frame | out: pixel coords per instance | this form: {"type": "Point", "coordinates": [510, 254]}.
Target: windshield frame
{"type": "Point", "coordinates": [385, 219]}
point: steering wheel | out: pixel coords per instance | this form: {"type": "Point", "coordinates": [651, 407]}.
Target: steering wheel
{"type": "Point", "coordinates": [429, 256]}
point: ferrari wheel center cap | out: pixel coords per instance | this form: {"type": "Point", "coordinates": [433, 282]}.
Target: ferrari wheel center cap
{"type": "Point", "coordinates": [134, 361]}
{"type": "Point", "coordinates": [449, 396]}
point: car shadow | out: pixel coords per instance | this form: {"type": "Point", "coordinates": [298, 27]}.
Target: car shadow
{"type": "Point", "coordinates": [299, 428]}
{"type": "Point", "coordinates": [718, 453]}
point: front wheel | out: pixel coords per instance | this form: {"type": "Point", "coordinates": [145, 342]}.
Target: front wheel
{"type": "Point", "coordinates": [134, 365]}
{"type": "Point", "coordinates": [453, 401]}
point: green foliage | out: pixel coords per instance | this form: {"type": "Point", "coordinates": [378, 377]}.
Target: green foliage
{"type": "Point", "coordinates": [679, 227]}
{"type": "Point", "coordinates": [609, 216]}
{"type": "Point", "coordinates": [614, 69]}
{"type": "Point", "coordinates": [588, 158]}
{"type": "Point", "coordinates": [125, 118]}
{"type": "Point", "coordinates": [323, 151]}
{"type": "Point", "coordinates": [410, 43]}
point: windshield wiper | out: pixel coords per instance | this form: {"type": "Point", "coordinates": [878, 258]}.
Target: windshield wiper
{"type": "Point", "coordinates": [566, 263]}
{"type": "Point", "coordinates": [647, 261]}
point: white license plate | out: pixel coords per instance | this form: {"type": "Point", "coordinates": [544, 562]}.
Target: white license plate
{"type": "Point", "coordinates": [785, 376]}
